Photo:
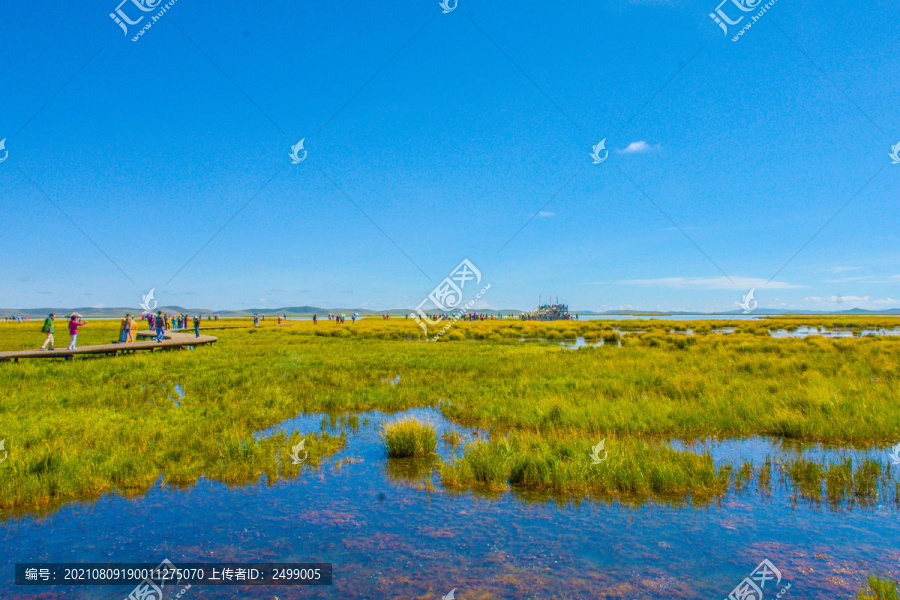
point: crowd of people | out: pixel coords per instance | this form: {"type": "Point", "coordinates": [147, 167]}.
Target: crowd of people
{"type": "Point", "coordinates": [548, 312]}
{"type": "Point", "coordinates": [161, 322]}
{"type": "Point", "coordinates": [15, 318]}
{"type": "Point", "coordinates": [472, 316]}
{"type": "Point", "coordinates": [545, 312]}
{"type": "Point", "coordinates": [158, 322]}
{"type": "Point", "coordinates": [338, 318]}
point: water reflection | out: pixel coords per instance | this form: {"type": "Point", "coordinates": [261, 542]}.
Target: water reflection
{"type": "Point", "coordinates": [415, 471]}
{"type": "Point", "coordinates": [581, 343]}
{"type": "Point", "coordinates": [805, 331]}
{"type": "Point", "coordinates": [391, 530]}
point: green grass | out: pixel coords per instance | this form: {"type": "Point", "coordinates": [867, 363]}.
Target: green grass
{"type": "Point", "coordinates": [75, 429]}
{"type": "Point", "coordinates": [564, 464]}
{"type": "Point", "coordinates": [409, 437]}
{"type": "Point", "coordinates": [879, 589]}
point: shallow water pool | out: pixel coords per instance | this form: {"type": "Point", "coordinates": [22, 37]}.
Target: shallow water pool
{"type": "Point", "coordinates": [392, 531]}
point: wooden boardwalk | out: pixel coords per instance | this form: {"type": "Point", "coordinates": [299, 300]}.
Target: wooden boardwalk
{"type": "Point", "coordinates": [174, 340]}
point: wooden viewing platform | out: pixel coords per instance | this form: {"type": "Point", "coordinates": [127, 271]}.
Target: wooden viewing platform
{"type": "Point", "coordinates": [172, 340]}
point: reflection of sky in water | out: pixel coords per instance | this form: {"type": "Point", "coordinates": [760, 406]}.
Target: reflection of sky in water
{"type": "Point", "coordinates": [391, 531]}
{"type": "Point", "coordinates": [755, 449]}
{"type": "Point", "coordinates": [806, 331]}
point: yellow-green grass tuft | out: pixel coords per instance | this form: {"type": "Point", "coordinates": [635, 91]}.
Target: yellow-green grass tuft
{"type": "Point", "coordinates": [879, 589]}
{"type": "Point", "coordinates": [409, 437]}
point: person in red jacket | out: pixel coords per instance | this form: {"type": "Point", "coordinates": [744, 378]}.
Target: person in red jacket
{"type": "Point", "coordinates": [74, 324]}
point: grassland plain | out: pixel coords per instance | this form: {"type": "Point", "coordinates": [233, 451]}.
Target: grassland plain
{"type": "Point", "coordinates": [75, 429]}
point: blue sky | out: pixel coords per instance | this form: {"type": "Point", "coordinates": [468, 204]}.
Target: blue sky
{"type": "Point", "coordinates": [463, 135]}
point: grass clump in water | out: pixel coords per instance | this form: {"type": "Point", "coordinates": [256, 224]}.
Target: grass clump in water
{"type": "Point", "coordinates": [409, 437]}
{"type": "Point", "coordinates": [569, 464]}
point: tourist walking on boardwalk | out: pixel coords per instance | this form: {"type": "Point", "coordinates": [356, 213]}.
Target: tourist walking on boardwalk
{"type": "Point", "coordinates": [160, 327]}
{"type": "Point", "coordinates": [48, 329]}
{"type": "Point", "coordinates": [74, 324]}
{"type": "Point", "coordinates": [256, 320]}
{"type": "Point", "coordinates": [123, 329]}
{"type": "Point", "coordinates": [197, 326]}
{"type": "Point", "coordinates": [315, 319]}
{"type": "Point", "coordinates": [129, 328]}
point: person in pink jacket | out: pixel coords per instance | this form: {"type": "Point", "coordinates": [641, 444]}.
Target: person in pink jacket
{"type": "Point", "coordinates": [74, 324]}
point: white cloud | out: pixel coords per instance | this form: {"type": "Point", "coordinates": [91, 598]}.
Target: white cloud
{"type": "Point", "coordinates": [708, 283]}
{"type": "Point", "coordinates": [546, 213]}
{"type": "Point", "coordinates": [865, 278]}
{"type": "Point", "coordinates": [638, 148]}
{"type": "Point", "coordinates": [855, 301]}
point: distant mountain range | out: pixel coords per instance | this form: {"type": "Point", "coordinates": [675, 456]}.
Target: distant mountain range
{"type": "Point", "coordinates": [293, 311]}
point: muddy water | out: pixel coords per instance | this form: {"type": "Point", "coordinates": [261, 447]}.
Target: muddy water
{"type": "Point", "coordinates": [392, 531]}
